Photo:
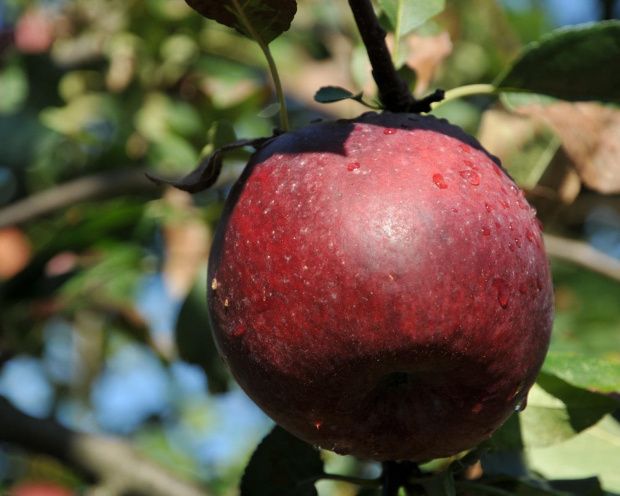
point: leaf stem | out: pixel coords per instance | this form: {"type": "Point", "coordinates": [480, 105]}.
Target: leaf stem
{"type": "Point", "coordinates": [463, 91]}
{"type": "Point", "coordinates": [284, 123]}
{"type": "Point", "coordinates": [399, 17]}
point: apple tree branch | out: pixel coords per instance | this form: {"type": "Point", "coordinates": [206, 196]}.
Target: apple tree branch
{"type": "Point", "coordinates": [112, 463]}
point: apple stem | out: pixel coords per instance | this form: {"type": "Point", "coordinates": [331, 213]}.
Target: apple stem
{"type": "Point", "coordinates": [393, 90]}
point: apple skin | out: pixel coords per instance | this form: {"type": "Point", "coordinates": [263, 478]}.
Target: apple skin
{"type": "Point", "coordinates": [379, 287]}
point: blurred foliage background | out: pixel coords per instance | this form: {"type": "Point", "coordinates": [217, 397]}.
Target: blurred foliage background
{"type": "Point", "coordinates": [102, 317]}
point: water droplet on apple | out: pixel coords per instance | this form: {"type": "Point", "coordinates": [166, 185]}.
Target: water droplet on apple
{"type": "Point", "coordinates": [455, 210]}
{"type": "Point", "coordinates": [522, 405]}
{"type": "Point", "coordinates": [465, 148]}
{"type": "Point", "coordinates": [489, 207]}
{"type": "Point", "coordinates": [485, 231]}
{"type": "Point", "coordinates": [518, 242]}
{"type": "Point", "coordinates": [505, 204]}
{"type": "Point", "coordinates": [511, 246]}
{"type": "Point", "coordinates": [511, 226]}
{"type": "Point", "coordinates": [477, 408]}
{"type": "Point", "coordinates": [503, 291]}
{"type": "Point", "coordinates": [389, 130]}
{"type": "Point", "coordinates": [470, 164]}
{"type": "Point", "coordinates": [517, 389]}
{"type": "Point", "coordinates": [439, 182]}
{"type": "Point", "coordinates": [539, 224]}
{"type": "Point", "coordinates": [529, 236]}
{"type": "Point", "coordinates": [239, 330]}
{"type": "Point", "coordinates": [523, 288]}
{"type": "Point", "coordinates": [470, 176]}
{"type": "Point", "coordinates": [353, 166]}
{"type": "Point", "coordinates": [317, 425]}
{"type": "Point", "coordinates": [498, 225]}
{"type": "Point", "coordinates": [539, 283]}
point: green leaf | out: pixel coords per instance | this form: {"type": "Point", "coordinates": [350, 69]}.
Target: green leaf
{"type": "Point", "coordinates": [282, 465]}
{"type": "Point", "coordinates": [584, 371]}
{"type": "Point", "coordinates": [558, 411]}
{"type": "Point", "coordinates": [406, 15]}
{"type": "Point", "coordinates": [574, 63]}
{"type": "Point", "coordinates": [194, 339]}
{"type": "Point", "coordinates": [267, 19]}
{"type": "Point", "coordinates": [331, 94]}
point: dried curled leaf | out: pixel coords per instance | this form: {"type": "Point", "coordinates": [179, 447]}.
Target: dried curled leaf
{"type": "Point", "coordinates": [205, 175]}
{"type": "Point", "coordinates": [590, 134]}
{"type": "Point", "coordinates": [268, 19]}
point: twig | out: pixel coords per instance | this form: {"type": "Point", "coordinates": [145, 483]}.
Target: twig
{"type": "Point", "coordinates": [393, 91]}
{"type": "Point", "coordinates": [583, 254]}
{"type": "Point", "coordinates": [102, 185]}
{"type": "Point", "coordinates": [111, 462]}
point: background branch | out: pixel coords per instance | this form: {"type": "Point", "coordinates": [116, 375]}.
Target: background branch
{"type": "Point", "coordinates": [582, 254]}
{"type": "Point", "coordinates": [111, 462]}
{"type": "Point", "coordinates": [96, 186]}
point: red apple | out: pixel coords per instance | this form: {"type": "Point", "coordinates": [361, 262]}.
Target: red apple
{"type": "Point", "coordinates": [379, 287]}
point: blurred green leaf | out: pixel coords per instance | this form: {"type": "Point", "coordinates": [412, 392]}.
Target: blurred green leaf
{"type": "Point", "coordinates": [220, 134]}
{"type": "Point", "coordinates": [267, 18]}
{"type": "Point", "coordinates": [406, 15]}
{"type": "Point", "coordinates": [573, 63]}
{"type": "Point", "coordinates": [587, 312]}
{"type": "Point", "coordinates": [110, 281]}
{"type": "Point", "coordinates": [584, 371]}
{"type": "Point", "coordinates": [14, 88]}
{"type": "Point", "coordinates": [282, 465]}
{"type": "Point", "coordinates": [173, 153]}
{"type": "Point", "coordinates": [194, 339]}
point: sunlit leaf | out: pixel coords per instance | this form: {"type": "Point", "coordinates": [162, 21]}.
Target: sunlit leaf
{"type": "Point", "coordinates": [584, 371]}
{"type": "Point", "coordinates": [406, 15]}
{"type": "Point", "coordinates": [595, 452]}
{"type": "Point", "coordinates": [268, 19]}
{"type": "Point", "coordinates": [282, 465]}
{"type": "Point", "coordinates": [573, 63]}
{"type": "Point", "coordinates": [557, 411]}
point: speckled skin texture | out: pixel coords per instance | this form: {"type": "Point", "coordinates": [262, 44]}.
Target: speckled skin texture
{"type": "Point", "coordinates": [379, 287]}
